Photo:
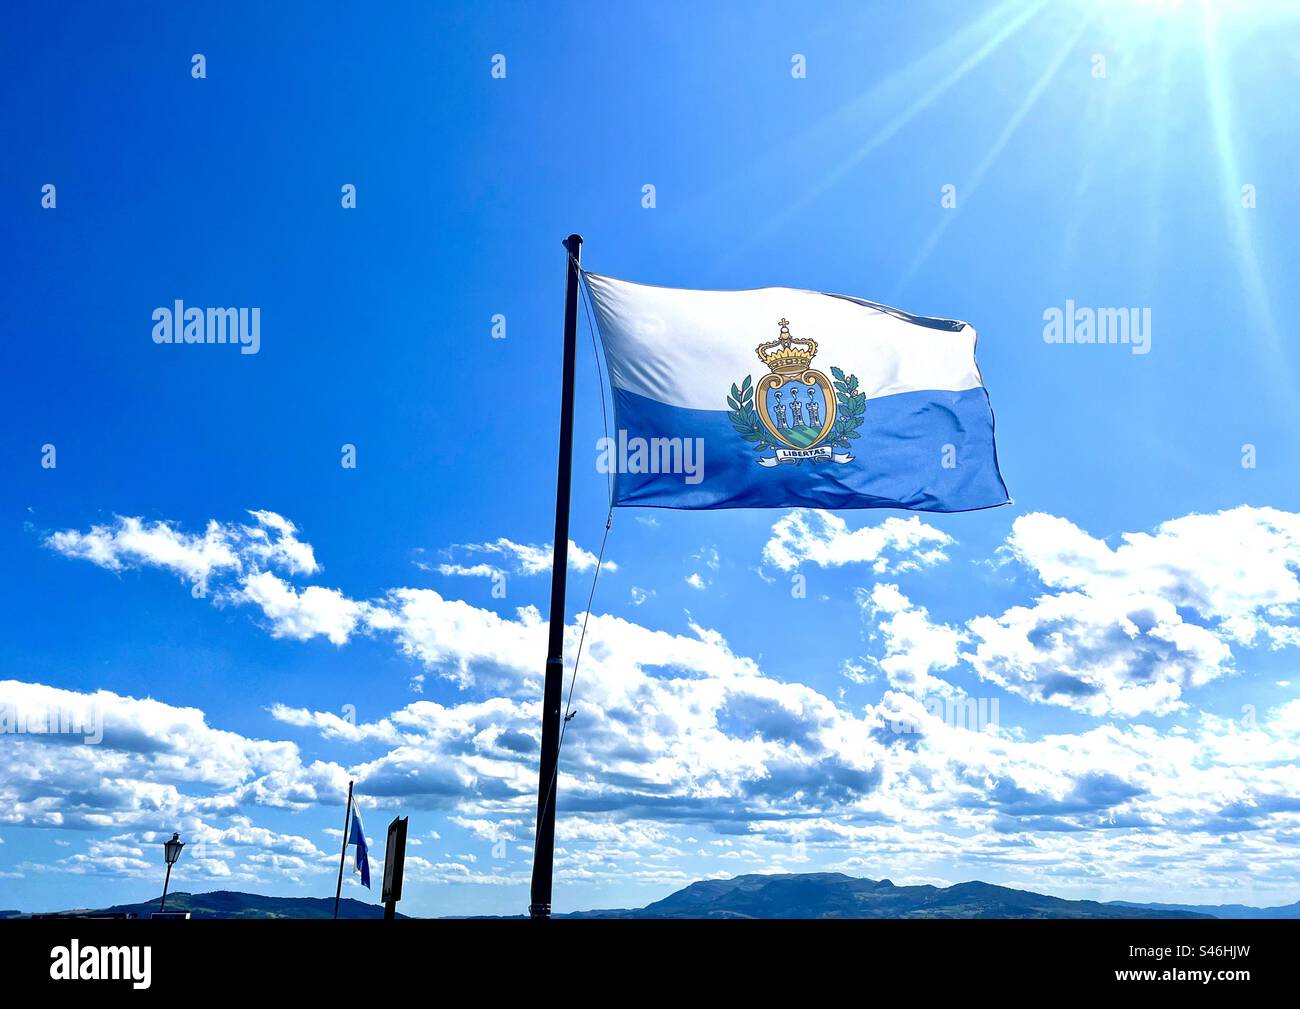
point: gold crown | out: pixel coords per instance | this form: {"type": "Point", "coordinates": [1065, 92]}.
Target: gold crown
{"type": "Point", "coordinates": [787, 356]}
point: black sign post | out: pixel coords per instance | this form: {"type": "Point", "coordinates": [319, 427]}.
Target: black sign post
{"type": "Point", "coordinates": [394, 861]}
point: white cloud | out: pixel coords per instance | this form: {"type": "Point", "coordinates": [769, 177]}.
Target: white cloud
{"type": "Point", "coordinates": [152, 757]}
{"type": "Point", "coordinates": [679, 731]}
{"type": "Point", "coordinates": [519, 559]}
{"type": "Point", "coordinates": [275, 541]}
{"type": "Point", "coordinates": [1132, 629]}
{"type": "Point", "coordinates": [699, 737]}
{"type": "Point", "coordinates": [1237, 568]}
{"type": "Point", "coordinates": [471, 570]}
{"type": "Point", "coordinates": [709, 557]}
{"type": "Point", "coordinates": [913, 645]}
{"type": "Point", "coordinates": [131, 542]}
{"type": "Point", "coordinates": [223, 548]}
{"type": "Point", "coordinates": [1117, 638]}
{"type": "Point", "coordinates": [332, 726]}
{"type": "Point", "coordinates": [1125, 656]}
{"type": "Point", "coordinates": [454, 638]}
{"type": "Point", "coordinates": [764, 762]}
{"type": "Point", "coordinates": [305, 614]}
{"type": "Point", "coordinates": [823, 538]}
{"type": "Point", "coordinates": [240, 852]}
{"type": "Point", "coordinates": [856, 672]}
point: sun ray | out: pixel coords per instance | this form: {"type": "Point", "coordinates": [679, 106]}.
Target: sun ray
{"type": "Point", "coordinates": [1156, 165]}
{"type": "Point", "coordinates": [1096, 125]}
{"type": "Point", "coordinates": [899, 81]}
{"type": "Point", "coordinates": [990, 159]}
{"type": "Point", "coordinates": [1282, 375]}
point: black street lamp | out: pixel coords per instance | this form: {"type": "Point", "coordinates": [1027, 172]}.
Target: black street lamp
{"type": "Point", "coordinates": [171, 852]}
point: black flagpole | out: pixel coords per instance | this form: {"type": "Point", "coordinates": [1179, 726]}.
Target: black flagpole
{"type": "Point", "coordinates": [544, 847]}
{"type": "Point", "coordinates": [344, 853]}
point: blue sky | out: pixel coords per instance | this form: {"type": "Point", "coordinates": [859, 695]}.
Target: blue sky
{"type": "Point", "coordinates": [1099, 153]}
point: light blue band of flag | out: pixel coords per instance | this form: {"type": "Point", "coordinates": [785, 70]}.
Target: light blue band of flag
{"type": "Point", "coordinates": [921, 451]}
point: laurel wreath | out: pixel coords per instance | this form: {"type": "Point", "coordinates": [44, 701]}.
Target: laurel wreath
{"type": "Point", "coordinates": [744, 418]}
{"type": "Point", "coordinates": [851, 407]}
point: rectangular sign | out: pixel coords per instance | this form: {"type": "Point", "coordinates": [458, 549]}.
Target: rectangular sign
{"type": "Point", "coordinates": [395, 859]}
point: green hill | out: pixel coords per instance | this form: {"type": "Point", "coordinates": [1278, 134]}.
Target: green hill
{"type": "Point", "coordinates": [232, 904]}
{"type": "Point", "coordinates": [834, 895]}
{"type": "Point", "coordinates": [802, 436]}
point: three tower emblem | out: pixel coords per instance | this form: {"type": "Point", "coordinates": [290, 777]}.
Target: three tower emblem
{"type": "Point", "coordinates": [795, 411]}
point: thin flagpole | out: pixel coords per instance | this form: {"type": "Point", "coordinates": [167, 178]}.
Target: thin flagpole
{"type": "Point", "coordinates": [544, 846]}
{"type": "Point", "coordinates": [347, 817]}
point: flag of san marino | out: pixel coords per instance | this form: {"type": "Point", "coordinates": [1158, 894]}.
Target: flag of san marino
{"type": "Point", "coordinates": [779, 397]}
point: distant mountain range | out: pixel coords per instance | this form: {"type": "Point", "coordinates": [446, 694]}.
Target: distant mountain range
{"type": "Point", "coordinates": [834, 895]}
{"type": "Point", "coordinates": [1225, 910]}
{"type": "Point", "coordinates": [803, 895]}
{"type": "Point", "coordinates": [233, 904]}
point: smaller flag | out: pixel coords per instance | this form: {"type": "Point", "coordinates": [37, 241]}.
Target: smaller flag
{"type": "Point", "coordinates": [358, 837]}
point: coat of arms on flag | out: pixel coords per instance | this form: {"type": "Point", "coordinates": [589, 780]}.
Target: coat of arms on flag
{"type": "Point", "coordinates": [795, 412]}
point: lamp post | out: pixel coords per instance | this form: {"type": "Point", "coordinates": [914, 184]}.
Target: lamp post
{"type": "Point", "coordinates": [171, 852]}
